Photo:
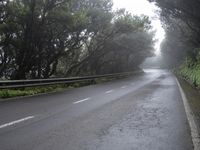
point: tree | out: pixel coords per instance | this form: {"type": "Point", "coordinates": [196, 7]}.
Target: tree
{"type": "Point", "coordinates": [40, 32]}
{"type": "Point", "coordinates": [45, 38]}
{"type": "Point", "coordinates": [122, 46]}
{"type": "Point", "coordinates": [182, 17]}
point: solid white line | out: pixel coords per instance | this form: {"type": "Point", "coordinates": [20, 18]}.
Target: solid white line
{"type": "Point", "coordinates": [107, 92]}
{"type": "Point", "coordinates": [82, 100]}
{"type": "Point", "coordinates": [194, 130]}
{"type": "Point", "coordinates": [15, 122]}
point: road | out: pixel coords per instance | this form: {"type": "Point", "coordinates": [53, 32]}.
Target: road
{"type": "Point", "coordinates": [142, 112]}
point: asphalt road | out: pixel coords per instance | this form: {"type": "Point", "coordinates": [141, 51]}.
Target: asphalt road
{"type": "Point", "coordinates": [143, 112]}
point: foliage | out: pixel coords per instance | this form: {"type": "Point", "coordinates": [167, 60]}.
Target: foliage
{"type": "Point", "coordinates": [191, 72]}
{"type": "Point", "coordinates": [30, 91]}
{"type": "Point", "coordinates": [46, 38]}
{"type": "Point", "coordinates": [181, 19]}
{"type": "Point", "coordinates": [121, 47]}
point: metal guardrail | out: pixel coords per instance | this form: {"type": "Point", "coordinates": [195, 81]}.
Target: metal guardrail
{"type": "Point", "coordinates": [42, 82]}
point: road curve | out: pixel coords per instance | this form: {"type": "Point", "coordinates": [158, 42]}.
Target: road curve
{"type": "Point", "coordinates": [143, 112]}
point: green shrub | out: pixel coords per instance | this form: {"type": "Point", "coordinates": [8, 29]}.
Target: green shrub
{"type": "Point", "coordinates": [190, 71]}
{"type": "Point", "coordinates": [30, 91]}
{"type": "Point", "coordinates": [46, 89]}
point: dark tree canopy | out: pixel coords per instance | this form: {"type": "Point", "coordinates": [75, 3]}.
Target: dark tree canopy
{"type": "Point", "coordinates": [44, 38]}
{"type": "Point", "coordinates": [122, 46]}
{"type": "Point", "coordinates": [181, 19]}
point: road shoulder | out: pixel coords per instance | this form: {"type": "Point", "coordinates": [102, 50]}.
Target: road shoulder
{"type": "Point", "coordinates": [190, 109]}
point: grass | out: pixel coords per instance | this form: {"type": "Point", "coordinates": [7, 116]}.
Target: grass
{"type": "Point", "coordinates": [7, 93]}
{"type": "Point", "coordinates": [190, 72]}
{"type": "Point", "coordinates": [31, 91]}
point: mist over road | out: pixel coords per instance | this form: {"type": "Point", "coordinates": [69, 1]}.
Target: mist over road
{"type": "Point", "coordinates": [142, 112]}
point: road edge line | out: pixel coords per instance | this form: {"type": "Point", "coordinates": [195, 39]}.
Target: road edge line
{"type": "Point", "coordinates": [190, 117]}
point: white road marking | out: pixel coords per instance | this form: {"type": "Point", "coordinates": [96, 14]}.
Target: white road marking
{"type": "Point", "coordinates": [194, 130]}
{"type": "Point", "coordinates": [82, 100]}
{"type": "Point", "coordinates": [16, 122]}
{"type": "Point", "coordinates": [123, 87]}
{"type": "Point", "coordinates": [107, 92]}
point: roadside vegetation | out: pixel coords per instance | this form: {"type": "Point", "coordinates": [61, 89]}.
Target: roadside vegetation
{"type": "Point", "coordinates": [181, 47]}
{"type": "Point", "coordinates": [41, 39]}
{"type": "Point", "coordinates": [190, 71]}
{"type": "Point", "coordinates": [29, 91]}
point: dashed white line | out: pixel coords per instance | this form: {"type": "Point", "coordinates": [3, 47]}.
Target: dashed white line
{"type": "Point", "coordinates": [16, 122]}
{"type": "Point", "coordinates": [82, 100]}
{"type": "Point", "coordinates": [123, 87]}
{"type": "Point", "coordinates": [110, 91]}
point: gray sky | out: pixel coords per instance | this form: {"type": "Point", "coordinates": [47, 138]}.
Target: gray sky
{"type": "Point", "coordinates": [139, 7]}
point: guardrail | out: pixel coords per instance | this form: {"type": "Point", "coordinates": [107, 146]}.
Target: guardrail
{"type": "Point", "coordinates": [42, 82]}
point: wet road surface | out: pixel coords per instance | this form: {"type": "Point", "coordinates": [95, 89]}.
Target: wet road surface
{"type": "Point", "coordinates": [143, 112]}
